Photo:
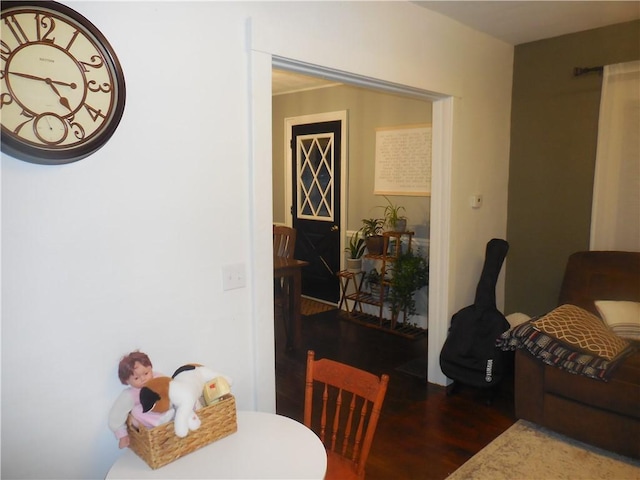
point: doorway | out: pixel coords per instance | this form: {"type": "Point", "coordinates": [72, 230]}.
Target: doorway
{"type": "Point", "coordinates": [369, 112]}
{"type": "Point", "coordinates": [439, 248]}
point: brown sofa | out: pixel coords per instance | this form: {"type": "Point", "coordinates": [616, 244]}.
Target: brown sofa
{"type": "Point", "coordinates": [604, 414]}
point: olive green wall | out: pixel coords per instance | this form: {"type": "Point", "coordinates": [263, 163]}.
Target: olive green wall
{"type": "Point", "coordinates": [554, 123]}
{"type": "Point", "coordinates": [366, 111]}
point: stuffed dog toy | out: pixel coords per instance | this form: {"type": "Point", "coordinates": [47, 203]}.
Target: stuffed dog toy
{"type": "Point", "coordinates": [154, 395]}
{"type": "Point", "coordinates": [182, 391]}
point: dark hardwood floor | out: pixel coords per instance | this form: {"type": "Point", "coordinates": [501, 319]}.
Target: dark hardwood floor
{"type": "Point", "coordinates": [422, 433]}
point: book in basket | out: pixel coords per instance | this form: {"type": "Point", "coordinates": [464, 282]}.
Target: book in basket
{"type": "Point", "coordinates": [159, 446]}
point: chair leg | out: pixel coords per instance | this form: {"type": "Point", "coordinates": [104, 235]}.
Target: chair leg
{"type": "Point", "coordinates": [285, 289]}
{"type": "Point", "coordinates": [281, 301]}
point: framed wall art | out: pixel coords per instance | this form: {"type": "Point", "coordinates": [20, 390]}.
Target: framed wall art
{"type": "Point", "coordinates": [403, 160]}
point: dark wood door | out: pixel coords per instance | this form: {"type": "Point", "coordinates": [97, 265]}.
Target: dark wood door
{"type": "Point", "coordinates": [316, 206]}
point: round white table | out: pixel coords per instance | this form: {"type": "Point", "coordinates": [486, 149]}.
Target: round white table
{"type": "Point", "coordinates": [266, 446]}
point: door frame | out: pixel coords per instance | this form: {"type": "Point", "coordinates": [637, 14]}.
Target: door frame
{"type": "Point", "coordinates": [289, 123]}
{"type": "Point", "coordinates": [261, 216]}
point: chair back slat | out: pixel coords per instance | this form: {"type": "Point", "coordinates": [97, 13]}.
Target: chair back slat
{"type": "Point", "coordinates": [349, 424]}
{"type": "Point", "coordinates": [358, 438]}
{"type": "Point", "coordinates": [284, 241]}
{"type": "Point", "coordinates": [323, 420]}
{"type": "Point", "coordinates": [352, 428]}
{"type": "Point", "coordinates": [336, 420]}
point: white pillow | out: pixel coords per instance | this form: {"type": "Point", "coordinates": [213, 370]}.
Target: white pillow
{"type": "Point", "coordinates": [622, 317]}
{"type": "Point", "coordinates": [517, 318]}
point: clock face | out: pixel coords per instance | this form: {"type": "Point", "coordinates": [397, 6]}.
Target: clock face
{"type": "Point", "coordinates": [62, 90]}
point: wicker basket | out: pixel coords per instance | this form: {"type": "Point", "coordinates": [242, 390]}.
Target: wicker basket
{"type": "Point", "coordinates": [160, 445]}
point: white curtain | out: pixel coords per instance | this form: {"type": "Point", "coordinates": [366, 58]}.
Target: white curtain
{"type": "Point", "coordinates": [615, 214]}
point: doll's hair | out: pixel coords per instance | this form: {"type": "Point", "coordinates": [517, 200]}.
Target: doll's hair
{"type": "Point", "coordinates": [128, 363]}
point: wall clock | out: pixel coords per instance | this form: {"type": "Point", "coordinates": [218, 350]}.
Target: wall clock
{"type": "Point", "coordinates": [62, 90]}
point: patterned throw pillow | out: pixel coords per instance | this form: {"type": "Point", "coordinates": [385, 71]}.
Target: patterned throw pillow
{"type": "Point", "coordinates": [582, 330]}
{"type": "Point", "coordinates": [622, 317]}
{"type": "Point", "coordinates": [558, 354]}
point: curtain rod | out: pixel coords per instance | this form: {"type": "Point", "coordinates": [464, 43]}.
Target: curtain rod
{"type": "Point", "coordinates": [577, 71]}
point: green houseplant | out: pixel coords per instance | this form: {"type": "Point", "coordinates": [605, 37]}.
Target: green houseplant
{"type": "Point", "coordinates": [355, 250]}
{"type": "Point", "coordinates": [372, 233]}
{"type": "Point", "coordinates": [392, 217]}
{"type": "Point", "coordinates": [410, 272]}
{"type": "Point", "coordinates": [373, 281]}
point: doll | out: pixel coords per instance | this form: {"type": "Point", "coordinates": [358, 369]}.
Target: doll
{"type": "Point", "coordinates": [134, 370]}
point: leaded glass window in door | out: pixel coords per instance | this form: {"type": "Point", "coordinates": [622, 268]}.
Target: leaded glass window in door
{"type": "Point", "coordinates": [315, 182]}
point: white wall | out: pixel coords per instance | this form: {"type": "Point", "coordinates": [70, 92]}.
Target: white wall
{"type": "Point", "coordinates": [404, 44]}
{"type": "Point", "coordinates": [124, 249]}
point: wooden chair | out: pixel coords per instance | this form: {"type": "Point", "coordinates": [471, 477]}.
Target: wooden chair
{"type": "Point", "coordinates": [284, 245]}
{"type": "Point", "coordinates": [347, 433]}
{"type": "Point", "coordinates": [284, 241]}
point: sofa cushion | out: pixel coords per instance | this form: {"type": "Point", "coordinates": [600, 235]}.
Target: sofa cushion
{"type": "Point", "coordinates": [619, 395]}
{"type": "Point", "coordinates": [622, 317]}
{"type": "Point", "coordinates": [581, 330]}
{"type": "Point", "coordinates": [605, 428]}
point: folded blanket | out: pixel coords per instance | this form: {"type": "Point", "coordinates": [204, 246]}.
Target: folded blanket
{"type": "Point", "coordinates": [558, 354]}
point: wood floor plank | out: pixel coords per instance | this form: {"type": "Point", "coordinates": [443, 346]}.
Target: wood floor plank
{"type": "Point", "coordinates": [422, 433]}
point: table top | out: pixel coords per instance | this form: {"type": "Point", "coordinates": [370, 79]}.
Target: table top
{"type": "Point", "coordinates": [266, 446]}
{"type": "Point", "coordinates": [280, 263]}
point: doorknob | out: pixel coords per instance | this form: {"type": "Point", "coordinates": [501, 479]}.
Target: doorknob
{"type": "Point", "coordinates": [335, 228]}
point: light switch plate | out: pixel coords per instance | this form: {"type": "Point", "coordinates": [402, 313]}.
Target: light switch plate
{"type": "Point", "coordinates": [233, 276]}
{"type": "Point", "coordinates": [475, 201]}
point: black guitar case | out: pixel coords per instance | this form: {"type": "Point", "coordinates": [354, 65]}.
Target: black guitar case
{"type": "Point", "coordinates": [469, 355]}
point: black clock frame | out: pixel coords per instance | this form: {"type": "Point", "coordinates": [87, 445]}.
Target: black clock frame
{"type": "Point", "coordinates": [32, 154]}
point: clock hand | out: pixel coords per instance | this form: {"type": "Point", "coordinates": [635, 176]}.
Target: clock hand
{"type": "Point", "coordinates": [63, 100]}
{"type": "Point", "coordinates": [73, 86]}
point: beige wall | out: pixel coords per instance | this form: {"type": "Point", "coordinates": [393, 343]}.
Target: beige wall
{"type": "Point", "coordinates": [554, 128]}
{"type": "Point", "coordinates": [366, 111]}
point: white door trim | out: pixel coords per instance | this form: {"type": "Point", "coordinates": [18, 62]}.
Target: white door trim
{"type": "Point", "coordinates": [289, 123]}
{"type": "Point", "coordinates": [439, 236]}
{"type": "Point", "coordinates": [440, 254]}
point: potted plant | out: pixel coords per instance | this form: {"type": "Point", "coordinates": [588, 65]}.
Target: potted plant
{"type": "Point", "coordinates": [373, 282]}
{"type": "Point", "coordinates": [372, 233]}
{"type": "Point", "coordinates": [355, 250]}
{"type": "Point", "coordinates": [410, 272]}
{"type": "Point", "coordinates": [392, 217]}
